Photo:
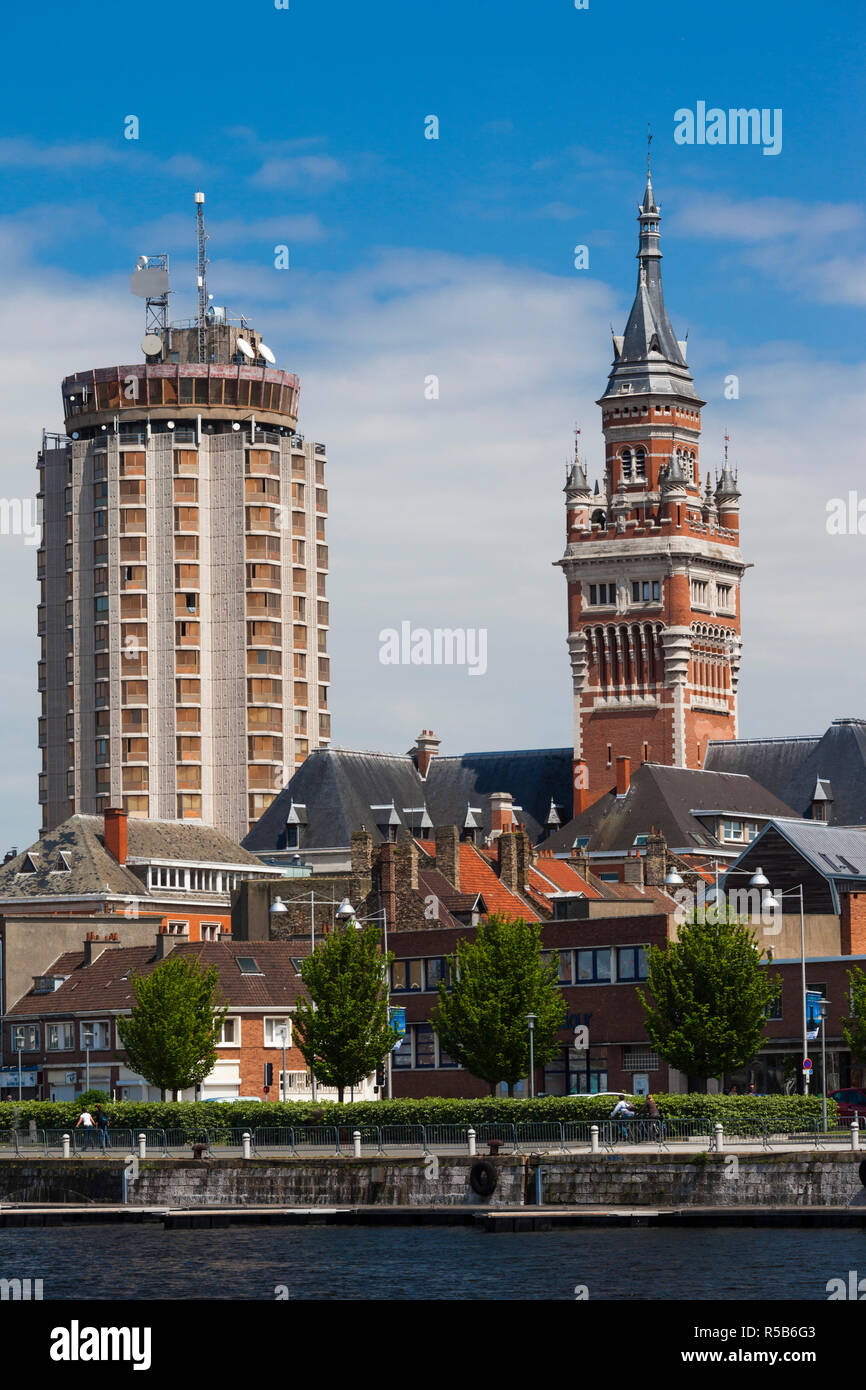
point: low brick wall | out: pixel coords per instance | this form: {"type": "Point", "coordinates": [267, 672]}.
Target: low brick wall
{"type": "Point", "coordinates": [61, 1180]}
{"type": "Point", "coordinates": [812, 1179]}
{"type": "Point", "coordinates": [328, 1182]}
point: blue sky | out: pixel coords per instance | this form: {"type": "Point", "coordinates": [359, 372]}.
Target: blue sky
{"type": "Point", "coordinates": [413, 256]}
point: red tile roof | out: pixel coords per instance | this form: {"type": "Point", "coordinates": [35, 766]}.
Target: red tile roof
{"type": "Point", "coordinates": [477, 876]}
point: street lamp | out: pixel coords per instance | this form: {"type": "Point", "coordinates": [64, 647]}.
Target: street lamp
{"type": "Point", "coordinates": [283, 1034]}
{"type": "Point", "coordinates": [88, 1043]}
{"type": "Point", "coordinates": [823, 1010]}
{"type": "Point", "coordinates": [774, 901]}
{"type": "Point", "coordinates": [530, 1019]}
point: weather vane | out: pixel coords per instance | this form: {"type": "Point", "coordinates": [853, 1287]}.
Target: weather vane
{"type": "Point", "coordinates": [649, 140]}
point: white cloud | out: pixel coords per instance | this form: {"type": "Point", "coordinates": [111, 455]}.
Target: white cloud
{"type": "Point", "coordinates": [450, 512]}
{"type": "Point", "coordinates": [317, 171]}
{"type": "Point", "coordinates": [785, 240]}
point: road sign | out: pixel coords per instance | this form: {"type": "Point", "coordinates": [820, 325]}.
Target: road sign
{"type": "Point", "coordinates": [581, 1037]}
{"type": "Point", "coordinates": [807, 1064]}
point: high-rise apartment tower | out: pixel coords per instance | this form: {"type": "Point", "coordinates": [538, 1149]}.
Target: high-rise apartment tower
{"type": "Point", "coordinates": [183, 616]}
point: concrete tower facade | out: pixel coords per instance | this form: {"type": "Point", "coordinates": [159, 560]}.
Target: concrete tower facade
{"type": "Point", "coordinates": [183, 616]}
{"type": "Point", "coordinates": [652, 561]}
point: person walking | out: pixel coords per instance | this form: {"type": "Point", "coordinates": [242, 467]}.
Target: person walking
{"type": "Point", "coordinates": [101, 1119]}
{"type": "Point", "coordinates": [86, 1119]}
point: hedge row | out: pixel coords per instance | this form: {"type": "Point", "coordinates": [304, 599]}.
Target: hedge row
{"type": "Point", "coordinates": [190, 1116]}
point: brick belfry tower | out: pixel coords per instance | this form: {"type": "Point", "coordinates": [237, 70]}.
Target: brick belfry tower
{"type": "Point", "coordinates": [652, 560]}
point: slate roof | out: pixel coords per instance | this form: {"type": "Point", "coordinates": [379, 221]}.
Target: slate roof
{"type": "Point", "coordinates": [666, 798]}
{"type": "Point", "coordinates": [649, 356]}
{"type": "Point", "coordinates": [791, 767]}
{"type": "Point", "coordinates": [836, 853]}
{"type": "Point", "coordinates": [72, 860]}
{"type": "Point", "coordinates": [339, 786]}
{"type": "Point", "coordinates": [104, 985]}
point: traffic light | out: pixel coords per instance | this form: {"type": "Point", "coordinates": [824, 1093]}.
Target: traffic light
{"type": "Point", "coordinates": [269, 1074]}
{"type": "Point", "coordinates": [380, 1075]}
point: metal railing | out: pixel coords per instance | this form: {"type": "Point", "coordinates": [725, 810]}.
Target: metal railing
{"type": "Point", "coordinates": [339, 1140]}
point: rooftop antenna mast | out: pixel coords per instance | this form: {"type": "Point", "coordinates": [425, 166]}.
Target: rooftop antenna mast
{"type": "Point", "coordinates": [201, 238]}
{"type": "Point", "coordinates": [149, 281]}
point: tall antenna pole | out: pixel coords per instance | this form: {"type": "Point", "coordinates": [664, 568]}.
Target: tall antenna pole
{"type": "Point", "coordinates": [201, 238]}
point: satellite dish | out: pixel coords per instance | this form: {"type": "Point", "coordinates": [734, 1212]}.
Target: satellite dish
{"type": "Point", "coordinates": [245, 348]}
{"type": "Point", "coordinates": [265, 352]}
{"type": "Point", "coordinates": [149, 282]}
{"type": "Point", "coordinates": [141, 263]}
{"type": "Point", "coordinates": [151, 345]}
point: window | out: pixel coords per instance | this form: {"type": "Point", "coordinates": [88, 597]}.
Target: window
{"type": "Point", "coordinates": [593, 966]}
{"type": "Point", "coordinates": [631, 963]}
{"type": "Point", "coordinates": [60, 1037]}
{"type": "Point", "coordinates": [401, 1057]}
{"type": "Point", "coordinates": [601, 593]}
{"type": "Point", "coordinates": [724, 595]}
{"type": "Point", "coordinates": [640, 463]}
{"type": "Point", "coordinates": [231, 1033]}
{"type": "Point", "coordinates": [699, 591]}
{"type": "Point", "coordinates": [639, 1059]}
{"type": "Point", "coordinates": [425, 1045]}
{"type": "Point", "coordinates": [25, 1036]}
{"type": "Point", "coordinates": [406, 976]}
{"type": "Point", "coordinates": [98, 1035]}
{"type": "Point", "coordinates": [774, 1008]}
{"type": "Point", "coordinates": [732, 830]}
{"type": "Point", "coordinates": [562, 961]}
{"type": "Point", "coordinates": [248, 966]}
{"type": "Point", "coordinates": [274, 1032]}
{"type": "Point", "coordinates": [626, 465]}
{"type": "Point", "coordinates": [435, 970]}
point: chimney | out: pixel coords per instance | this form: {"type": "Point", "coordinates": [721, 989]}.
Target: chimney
{"type": "Point", "coordinates": [524, 856]}
{"type": "Point", "coordinates": [426, 747]}
{"type": "Point", "coordinates": [406, 859]}
{"type": "Point", "coordinates": [655, 859]}
{"type": "Point", "coordinates": [165, 943]}
{"type": "Point", "coordinates": [115, 833]}
{"type": "Point", "coordinates": [623, 776]}
{"type": "Point", "coordinates": [93, 947]}
{"type": "Point", "coordinates": [501, 814]}
{"type": "Point", "coordinates": [388, 882]}
{"type": "Point", "coordinates": [581, 786]}
{"type": "Point", "coordinates": [448, 853]}
{"type": "Point", "coordinates": [506, 851]}
{"type": "Point", "coordinates": [362, 860]}
{"type": "Point", "coordinates": [632, 871]}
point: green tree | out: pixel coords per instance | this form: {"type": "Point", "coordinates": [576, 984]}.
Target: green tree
{"type": "Point", "coordinates": [496, 980]}
{"type": "Point", "coordinates": [854, 1027]}
{"type": "Point", "coordinates": [710, 996]}
{"type": "Point", "coordinates": [342, 1028]}
{"type": "Point", "coordinates": [171, 1035]}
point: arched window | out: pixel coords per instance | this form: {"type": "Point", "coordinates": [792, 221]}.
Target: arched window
{"type": "Point", "coordinates": [640, 463]}
{"type": "Point", "coordinates": [626, 464]}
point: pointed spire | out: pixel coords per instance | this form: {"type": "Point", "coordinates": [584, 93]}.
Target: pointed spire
{"type": "Point", "coordinates": [649, 358]}
{"type": "Point", "coordinates": [649, 202]}
{"type": "Point", "coordinates": [726, 487]}
{"type": "Point", "coordinates": [674, 475]}
{"type": "Point", "coordinates": [575, 474]}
